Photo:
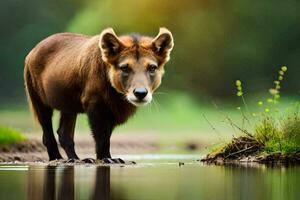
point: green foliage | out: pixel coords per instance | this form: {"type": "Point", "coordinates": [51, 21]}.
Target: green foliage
{"type": "Point", "coordinates": [215, 41]}
{"type": "Point", "coordinates": [283, 137]}
{"type": "Point", "coordinates": [276, 130]}
{"type": "Point", "coordinates": [267, 130]}
{"type": "Point", "coordinates": [291, 129]}
{"type": "Point", "coordinates": [9, 136]}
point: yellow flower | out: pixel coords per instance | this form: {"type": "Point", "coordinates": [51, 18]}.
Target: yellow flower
{"type": "Point", "coordinates": [254, 114]}
{"type": "Point", "coordinates": [280, 78]}
{"type": "Point", "coordinates": [267, 110]}
{"type": "Point", "coordinates": [239, 108]}
{"type": "Point", "coordinates": [273, 91]}
{"type": "Point", "coordinates": [239, 93]}
{"type": "Point", "coordinates": [270, 100]}
{"type": "Point", "coordinates": [260, 103]}
{"type": "Point", "coordinates": [276, 82]}
{"type": "Point", "coordinates": [238, 83]}
{"type": "Point", "coordinates": [281, 72]}
{"type": "Point", "coordinates": [284, 68]}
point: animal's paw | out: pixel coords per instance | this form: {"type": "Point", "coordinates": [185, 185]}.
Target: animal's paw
{"type": "Point", "coordinates": [89, 160]}
{"type": "Point", "coordinates": [113, 161]}
{"type": "Point", "coordinates": [116, 161]}
{"type": "Point", "coordinates": [72, 160]}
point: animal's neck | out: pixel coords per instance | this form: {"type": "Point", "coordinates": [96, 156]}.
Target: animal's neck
{"type": "Point", "coordinates": [120, 107]}
{"type": "Point", "coordinates": [116, 101]}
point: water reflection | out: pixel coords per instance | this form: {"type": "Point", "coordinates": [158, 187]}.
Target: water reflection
{"type": "Point", "coordinates": [49, 184]}
{"type": "Point", "coordinates": [151, 181]}
{"type": "Point", "coordinates": [59, 183]}
{"type": "Point", "coordinates": [102, 184]}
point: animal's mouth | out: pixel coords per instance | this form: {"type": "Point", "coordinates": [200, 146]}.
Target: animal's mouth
{"type": "Point", "coordinates": [139, 102]}
{"type": "Point", "coordinates": [131, 98]}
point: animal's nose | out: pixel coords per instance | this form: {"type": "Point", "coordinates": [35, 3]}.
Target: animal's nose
{"type": "Point", "coordinates": [140, 93]}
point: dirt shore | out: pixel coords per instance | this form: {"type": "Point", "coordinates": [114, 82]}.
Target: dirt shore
{"type": "Point", "coordinates": [245, 149]}
{"type": "Point", "coordinates": [32, 150]}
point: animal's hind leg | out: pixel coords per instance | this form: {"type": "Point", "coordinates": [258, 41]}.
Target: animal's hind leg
{"type": "Point", "coordinates": [66, 133]}
{"type": "Point", "coordinates": [44, 115]}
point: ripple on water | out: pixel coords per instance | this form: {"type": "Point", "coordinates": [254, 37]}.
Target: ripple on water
{"type": "Point", "coordinates": [13, 168]}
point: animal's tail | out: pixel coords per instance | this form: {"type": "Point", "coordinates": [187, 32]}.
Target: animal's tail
{"type": "Point", "coordinates": [31, 94]}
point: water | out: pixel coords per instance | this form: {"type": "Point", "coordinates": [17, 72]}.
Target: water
{"type": "Point", "coordinates": [154, 177]}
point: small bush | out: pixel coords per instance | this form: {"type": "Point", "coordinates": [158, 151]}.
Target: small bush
{"type": "Point", "coordinates": [9, 136]}
{"type": "Point", "coordinates": [276, 134]}
{"type": "Point", "coordinates": [283, 135]}
{"type": "Point", "coordinates": [291, 129]}
{"type": "Point", "coordinates": [267, 130]}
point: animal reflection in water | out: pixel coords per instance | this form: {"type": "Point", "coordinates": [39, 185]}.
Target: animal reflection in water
{"type": "Point", "coordinates": [60, 183]}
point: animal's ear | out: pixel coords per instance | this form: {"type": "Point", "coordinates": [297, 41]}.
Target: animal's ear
{"type": "Point", "coordinates": [109, 44]}
{"type": "Point", "coordinates": [163, 43]}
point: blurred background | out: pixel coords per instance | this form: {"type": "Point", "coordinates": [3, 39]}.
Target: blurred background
{"type": "Point", "coordinates": [216, 42]}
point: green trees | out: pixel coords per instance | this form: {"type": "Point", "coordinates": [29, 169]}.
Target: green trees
{"type": "Point", "coordinates": [216, 42]}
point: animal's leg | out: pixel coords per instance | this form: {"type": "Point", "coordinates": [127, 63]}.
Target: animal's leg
{"type": "Point", "coordinates": [102, 123]}
{"type": "Point", "coordinates": [66, 134]}
{"type": "Point", "coordinates": [44, 115]}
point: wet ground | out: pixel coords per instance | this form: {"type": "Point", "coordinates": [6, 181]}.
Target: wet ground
{"type": "Point", "coordinates": [153, 177]}
{"type": "Point", "coordinates": [33, 149]}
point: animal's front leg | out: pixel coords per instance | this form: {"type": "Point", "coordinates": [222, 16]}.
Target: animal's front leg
{"type": "Point", "coordinates": [101, 123]}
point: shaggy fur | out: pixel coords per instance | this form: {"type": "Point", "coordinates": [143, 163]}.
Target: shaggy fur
{"type": "Point", "coordinates": [75, 73]}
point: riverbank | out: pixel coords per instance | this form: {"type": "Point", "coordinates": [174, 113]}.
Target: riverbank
{"type": "Point", "coordinates": [32, 149]}
{"type": "Point", "coordinates": [247, 149]}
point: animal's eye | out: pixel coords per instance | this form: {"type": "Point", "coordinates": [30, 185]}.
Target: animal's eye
{"type": "Point", "coordinates": [152, 68]}
{"type": "Point", "coordinates": [125, 68]}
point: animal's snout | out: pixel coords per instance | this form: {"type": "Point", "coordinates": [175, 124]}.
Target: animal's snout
{"type": "Point", "coordinates": [140, 93]}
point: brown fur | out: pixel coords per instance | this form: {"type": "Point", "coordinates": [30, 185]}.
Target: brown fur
{"type": "Point", "coordinates": [73, 73]}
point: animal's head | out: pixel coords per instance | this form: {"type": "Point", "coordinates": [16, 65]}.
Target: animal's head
{"type": "Point", "coordinates": [136, 63]}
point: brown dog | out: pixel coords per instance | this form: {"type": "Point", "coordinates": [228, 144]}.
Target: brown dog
{"type": "Point", "coordinates": [105, 76]}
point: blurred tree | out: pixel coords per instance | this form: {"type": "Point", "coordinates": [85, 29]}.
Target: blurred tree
{"type": "Point", "coordinates": [24, 24]}
{"type": "Point", "coordinates": [216, 42]}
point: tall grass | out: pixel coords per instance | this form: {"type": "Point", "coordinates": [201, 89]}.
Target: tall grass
{"type": "Point", "coordinates": [277, 128]}
{"type": "Point", "coordinates": [10, 135]}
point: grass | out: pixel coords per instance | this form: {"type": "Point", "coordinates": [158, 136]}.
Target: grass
{"type": "Point", "coordinates": [10, 136]}
{"type": "Point", "coordinates": [174, 118]}
{"type": "Point", "coordinates": [281, 136]}
{"type": "Point", "coordinates": [278, 130]}
{"type": "Point", "coordinates": [269, 127]}
{"type": "Point", "coordinates": [171, 113]}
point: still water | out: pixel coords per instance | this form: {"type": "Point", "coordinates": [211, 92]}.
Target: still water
{"type": "Point", "coordinates": [153, 177]}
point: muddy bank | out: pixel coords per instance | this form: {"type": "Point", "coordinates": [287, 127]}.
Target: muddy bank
{"type": "Point", "coordinates": [263, 158]}
{"type": "Point", "coordinates": [247, 149]}
{"type": "Point", "coordinates": [32, 150]}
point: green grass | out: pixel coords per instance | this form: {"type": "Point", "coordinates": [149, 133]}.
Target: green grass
{"type": "Point", "coordinates": [10, 135]}
{"type": "Point", "coordinates": [273, 122]}
{"type": "Point", "coordinates": [275, 126]}
{"type": "Point", "coordinates": [280, 136]}
{"type": "Point", "coordinates": [170, 113]}
{"type": "Point", "coordinates": [174, 118]}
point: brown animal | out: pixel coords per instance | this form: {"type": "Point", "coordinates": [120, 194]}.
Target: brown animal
{"type": "Point", "coordinates": [104, 76]}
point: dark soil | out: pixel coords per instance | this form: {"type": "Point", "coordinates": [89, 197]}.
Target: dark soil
{"type": "Point", "coordinates": [23, 147]}
{"type": "Point", "coordinates": [33, 150]}
{"type": "Point", "coordinates": [248, 149]}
